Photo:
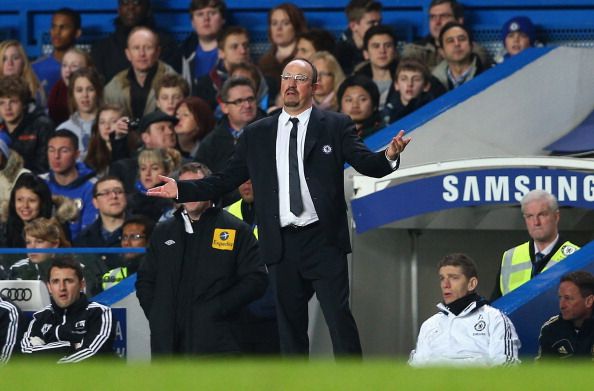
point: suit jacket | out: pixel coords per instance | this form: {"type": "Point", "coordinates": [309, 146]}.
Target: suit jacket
{"type": "Point", "coordinates": [330, 141]}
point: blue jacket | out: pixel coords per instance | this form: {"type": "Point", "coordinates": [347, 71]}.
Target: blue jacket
{"type": "Point", "coordinates": [80, 190]}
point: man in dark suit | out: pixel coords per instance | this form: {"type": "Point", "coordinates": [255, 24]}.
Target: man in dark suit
{"type": "Point", "coordinates": [295, 160]}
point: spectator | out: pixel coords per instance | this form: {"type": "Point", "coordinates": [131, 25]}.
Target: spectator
{"type": "Point", "coordinates": [285, 23]}
{"type": "Point", "coordinates": [571, 333]}
{"type": "Point", "coordinates": [109, 198]}
{"type": "Point", "coordinates": [361, 14]}
{"type": "Point", "coordinates": [200, 50]}
{"type": "Point", "coordinates": [379, 49]}
{"type": "Point", "coordinates": [57, 101]}
{"type": "Point", "coordinates": [195, 121]}
{"type": "Point", "coordinates": [11, 167]}
{"type": "Point", "coordinates": [109, 53]}
{"type": "Point", "coordinates": [210, 293]}
{"type": "Point", "coordinates": [28, 126]}
{"type": "Point", "coordinates": [38, 233]}
{"type": "Point", "coordinates": [65, 30]}
{"type": "Point", "coordinates": [170, 90]}
{"type": "Point", "coordinates": [15, 63]}
{"type": "Point", "coordinates": [314, 40]}
{"type": "Point", "coordinates": [234, 48]}
{"type": "Point", "coordinates": [156, 131]}
{"type": "Point", "coordinates": [70, 178]}
{"type": "Point", "coordinates": [359, 99]}
{"type": "Point", "coordinates": [238, 102]}
{"type": "Point", "coordinates": [544, 249]}
{"type": "Point", "coordinates": [151, 164]}
{"type": "Point", "coordinates": [85, 94]}
{"type": "Point", "coordinates": [466, 330]}
{"type": "Point", "coordinates": [72, 325]}
{"type": "Point", "coordinates": [330, 76]}
{"type": "Point", "coordinates": [136, 233]}
{"type": "Point", "coordinates": [31, 198]}
{"type": "Point", "coordinates": [410, 90]}
{"type": "Point", "coordinates": [460, 64]}
{"type": "Point", "coordinates": [251, 72]}
{"type": "Point", "coordinates": [517, 34]}
{"type": "Point", "coordinates": [110, 139]}
{"type": "Point", "coordinates": [134, 87]}
{"type": "Point", "coordinates": [256, 327]}
{"type": "Point", "coordinates": [426, 49]}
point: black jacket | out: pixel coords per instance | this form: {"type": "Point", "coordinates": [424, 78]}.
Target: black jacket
{"type": "Point", "coordinates": [347, 53]}
{"type": "Point", "coordinates": [559, 339]}
{"type": "Point", "coordinates": [11, 328]}
{"type": "Point", "coordinates": [80, 331]}
{"type": "Point", "coordinates": [331, 142]}
{"type": "Point", "coordinates": [30, 138]}
{"type": "Point", "coordinates": [191, 286]}
{"type": "Point", "coordinates": [109, 54]}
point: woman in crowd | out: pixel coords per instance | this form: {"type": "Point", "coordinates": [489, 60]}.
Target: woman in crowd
{"type": "Point", "coordinates": [110, 139]}
{"type": "Point", "coordinates": [359, 99]}
{"type": "Point", "coordinates": [16, 63]}
{"type": "Point", "coordinates": [39, 233]}
{"type": "Point", "coordinates": [285, 23]}
{"type": "Point", "coordinates": [57, 100]}
{"type": "Point", "coordinates": [11, 167]}
{"type": "Point", "coordinates": [85, 93]}
{"type": "Point", "coordinates": [330, 76]}
{"type": "Point", "coordinates": [315, 40]}
{"type": "Point", "coordinates": [151, 164]}
{"type": "Point", "coordinates": [195, 121]}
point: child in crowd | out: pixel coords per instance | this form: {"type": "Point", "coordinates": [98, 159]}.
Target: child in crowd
{"type": "Point", "coordinates": [85, 93]}
{"type": "Point", "coordinates": [410, 90]}
{"type": "Point", "coordinates": [57, 100]}
{"type": "Point", "coordinates": [517, 34]}
{"type": "Point", "coordinates": [151, 164]}
{"type": "Point", "coordinates": [170, 90]}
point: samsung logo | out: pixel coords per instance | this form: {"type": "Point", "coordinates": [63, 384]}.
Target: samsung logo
{"type": "Point", "coordinates": [509, 188]}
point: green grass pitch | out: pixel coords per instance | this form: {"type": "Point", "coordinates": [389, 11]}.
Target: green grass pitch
{"type": "Point", "coordinates": [270, 375]}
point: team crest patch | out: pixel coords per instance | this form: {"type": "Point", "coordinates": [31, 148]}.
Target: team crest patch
{"type": "Point", "coordinates": [80, 324]}
{"type": "Point", "coordinates": [480, 325]}
{"type": "Point", "coordinates": [567, 250]}
{"type": "Point", "coordinates": [327, 149]}
{"type": "Point", "coordinates": [223, 239]}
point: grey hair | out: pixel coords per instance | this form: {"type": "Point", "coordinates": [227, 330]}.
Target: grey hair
{"type": "Point", "coordinates": [540, 195]}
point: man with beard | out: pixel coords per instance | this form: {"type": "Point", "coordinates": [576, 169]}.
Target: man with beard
{"type": "Point", "coordinates": [295, 160]}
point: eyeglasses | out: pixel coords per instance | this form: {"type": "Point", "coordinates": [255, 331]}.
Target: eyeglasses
{"type": "Point", "coordinates": [299, 78]}
{"type": "Point", "coordinates": [133, 237]}
{"type": "Point", "coordinates": [118, 191]}
{"type": "Point", "coordinates": [240, 101]}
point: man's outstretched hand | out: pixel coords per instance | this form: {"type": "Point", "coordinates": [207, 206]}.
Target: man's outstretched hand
{"type": "Point", "coordinates": [397, 145]}
{"type": "Point", "coordinates": [167, 190]}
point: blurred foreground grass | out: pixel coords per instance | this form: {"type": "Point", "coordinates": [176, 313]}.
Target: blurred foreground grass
{"type": "Point", "coordinates": [244, 374]}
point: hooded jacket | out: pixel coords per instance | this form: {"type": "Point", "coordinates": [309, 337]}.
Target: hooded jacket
{"type": "Point", "coordinates": [81, 191]}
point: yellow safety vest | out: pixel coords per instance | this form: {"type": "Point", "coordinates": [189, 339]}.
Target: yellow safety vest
{"type": "Point", "coordinates": [235, 210]}
{"type": "Point", "coordinates": [516, 267]}
{"type": "Point", "coordinates": [113, 277]}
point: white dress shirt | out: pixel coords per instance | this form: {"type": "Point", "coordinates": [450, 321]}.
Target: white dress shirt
{"type": "Point", "coordinates": [283, 136]}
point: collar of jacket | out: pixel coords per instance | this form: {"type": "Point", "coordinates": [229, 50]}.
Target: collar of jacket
{"type": "Point", "coordinates": [463, 305]}
{"type": "Point", "coordinates": [79, 304]}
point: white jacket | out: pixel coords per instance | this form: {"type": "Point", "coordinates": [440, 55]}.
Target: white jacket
{"type": "Point", "coordinates": [479, 335]}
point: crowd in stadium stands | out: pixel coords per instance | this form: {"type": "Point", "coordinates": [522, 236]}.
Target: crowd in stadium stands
{"type": "Point", "coordinates": [84, 135]}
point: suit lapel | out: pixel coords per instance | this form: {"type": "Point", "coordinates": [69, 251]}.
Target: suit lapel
{"type": "Point", "coordinates": [316, 122]}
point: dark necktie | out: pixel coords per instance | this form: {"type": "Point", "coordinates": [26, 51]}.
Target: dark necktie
{"type": "Point", "coordinates": [295, 202]}
{"type": "Point", "coordinates": [538, 257]}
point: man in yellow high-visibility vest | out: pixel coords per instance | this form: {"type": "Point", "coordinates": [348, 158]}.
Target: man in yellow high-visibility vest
{"type": "Point", "coordinates": [544, 249]}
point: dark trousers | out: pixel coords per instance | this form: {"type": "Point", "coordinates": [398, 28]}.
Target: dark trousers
{"type": "Point", "coordinates": [310, 265]}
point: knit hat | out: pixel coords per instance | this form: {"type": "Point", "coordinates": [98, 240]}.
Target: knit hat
{"type": "Point", "coordinates": [519, 23]}
{"type": "Point", "coordinates": [5, 143]}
